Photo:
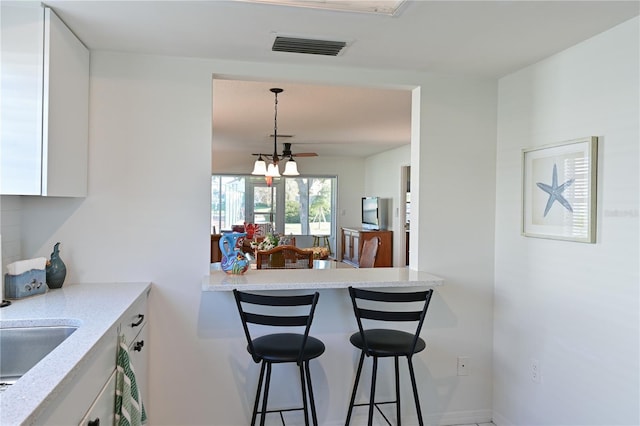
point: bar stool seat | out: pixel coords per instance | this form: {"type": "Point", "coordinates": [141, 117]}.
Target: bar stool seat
{"type": "Point", "coordinates": [285, 347]}
{"type": "Point", "coordinates": [384, 342]}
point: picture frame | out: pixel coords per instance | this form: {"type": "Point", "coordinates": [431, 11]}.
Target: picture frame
{"type": "Point", "coordinates": [559, 190]}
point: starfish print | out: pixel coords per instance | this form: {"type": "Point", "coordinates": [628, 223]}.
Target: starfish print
{"type": "Point", "coordinates": [555, 192]}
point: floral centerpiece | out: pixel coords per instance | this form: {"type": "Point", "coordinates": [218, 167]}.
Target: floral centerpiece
{"type": "Point", "coordinates": [270, 241]}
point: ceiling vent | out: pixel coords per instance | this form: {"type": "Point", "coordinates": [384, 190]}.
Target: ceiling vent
{"type": "Point", "coordinates": [309, 46]}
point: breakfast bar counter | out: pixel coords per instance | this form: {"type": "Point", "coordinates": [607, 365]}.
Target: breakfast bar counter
{"type": "Point", "coordinates": [312, 279]}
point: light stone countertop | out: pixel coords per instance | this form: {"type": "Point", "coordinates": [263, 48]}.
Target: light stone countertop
{"type": "Point", "coordinates": [93, 308]}
{"type": "Point", "coordinates": [312, 279]}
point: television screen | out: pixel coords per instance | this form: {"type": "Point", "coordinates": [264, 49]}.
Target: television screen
{"type": "Point", "coordinates": [370, 216]}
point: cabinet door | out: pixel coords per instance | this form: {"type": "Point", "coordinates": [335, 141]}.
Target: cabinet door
{"type": "Point", "coordinates": [345, 243]}
{"type": "Point", "coordinates": [355, 244]}
{"type": "Point", "coordinates": [44, 105]}
{"type": "Point", "coordinates": [139, 357]}
{"type": "Point", "coordinates": [22, 48]}
{"type": "Point", "coordinates": [101, 411]}
{"type": "Point", "coordinates": [65, 113]}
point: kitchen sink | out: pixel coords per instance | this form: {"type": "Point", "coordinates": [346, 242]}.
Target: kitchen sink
{"type": "Point", "coordinates": [23, 347]}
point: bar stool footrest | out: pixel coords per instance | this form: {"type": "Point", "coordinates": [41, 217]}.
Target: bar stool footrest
{"type": "Point", "coordinates": [375, 404]}
{"type": "Point", "coordinates": [284, 410]}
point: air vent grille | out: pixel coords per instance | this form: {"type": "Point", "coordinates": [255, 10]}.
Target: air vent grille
{"type": "Point", "coordinates": [308, 46]}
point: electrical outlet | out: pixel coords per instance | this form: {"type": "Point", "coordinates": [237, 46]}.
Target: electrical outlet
{"type": "Point", "coordinates": [535, 370]}
{"type": "Point", "coordinates": [463, 366]}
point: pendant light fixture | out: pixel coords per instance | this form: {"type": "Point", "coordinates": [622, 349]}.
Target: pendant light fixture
{"type": "Point", "coordinates": [272, 170]}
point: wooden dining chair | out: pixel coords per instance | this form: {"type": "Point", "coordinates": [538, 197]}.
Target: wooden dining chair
{"type": "Point", "coordinates": [369, 252]}
{"type": "Point", "coordinates": [284, 257]}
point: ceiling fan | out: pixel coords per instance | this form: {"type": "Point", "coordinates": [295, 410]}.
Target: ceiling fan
{"type": "Point", "coordinates": [272, 170]}
{"type": "Point", "coordinates": [286, 152]}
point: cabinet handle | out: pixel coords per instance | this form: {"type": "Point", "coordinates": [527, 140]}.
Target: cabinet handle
{"type": "Point", "coordinates": [95, 422]}
{"type": "Point", "coordinates": [140, 319]}
{"type": "Point", "coordinates": [138, 346]}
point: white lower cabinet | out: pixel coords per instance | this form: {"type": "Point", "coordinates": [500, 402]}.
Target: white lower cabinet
{"type": "Point", "coordinates": [101, 412]}
{"type": "Point", "coordinates": [90, 399]}
{"type": "Point", "coordinates": [75, 399]}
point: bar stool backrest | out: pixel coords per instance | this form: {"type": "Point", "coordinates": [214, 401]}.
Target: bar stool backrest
{"type": "Point", "coordinates": [276, 320]}
{"type": "Point", "coordinates": [390, 309]}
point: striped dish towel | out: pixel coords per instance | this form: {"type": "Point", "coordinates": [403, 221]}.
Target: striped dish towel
{"type": "Point", "coordinates": [129, 407]}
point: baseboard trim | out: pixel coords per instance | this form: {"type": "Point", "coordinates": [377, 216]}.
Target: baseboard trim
{"type": "Point", "coordinates": [500, 420]}
{"type": "Point", "coordinates": [459, 417]}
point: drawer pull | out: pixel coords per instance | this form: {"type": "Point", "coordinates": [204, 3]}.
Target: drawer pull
{"type": "Point", "coordinates": [138, 346]}
{"type": "Point", "coordinates": [95, 422]}
{"type": "Point", "coordinates": [140, 319]}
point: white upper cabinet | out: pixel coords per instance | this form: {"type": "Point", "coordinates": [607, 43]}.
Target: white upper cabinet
{"type": "Point", "coordinates": [44, 107]}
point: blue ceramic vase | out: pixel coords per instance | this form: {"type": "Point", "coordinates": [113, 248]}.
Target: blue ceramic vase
{"type": "Point", "coordinates": [56, 269]}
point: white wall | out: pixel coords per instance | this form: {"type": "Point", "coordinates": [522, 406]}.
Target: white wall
{"type": "Point", "coordinates": [384, 179]}
{"type": "Point", "coordinates": [147, 218]}
{"type": "Point", "coordinates": [10, 228]}
{"type": "Point", "coordinates": [571, 306]}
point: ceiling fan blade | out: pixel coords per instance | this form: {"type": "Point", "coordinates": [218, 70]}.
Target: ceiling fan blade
{"type": "Point", "coordinates": [286, 152]}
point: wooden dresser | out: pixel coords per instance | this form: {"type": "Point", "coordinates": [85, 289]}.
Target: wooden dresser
{"type": "Point", "coordinates": [216, 255]}
{"type": "Point", "coordinates": [352, 240]}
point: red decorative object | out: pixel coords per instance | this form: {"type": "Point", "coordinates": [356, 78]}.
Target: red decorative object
{"type": "Point", "coordinates": [249, 228]}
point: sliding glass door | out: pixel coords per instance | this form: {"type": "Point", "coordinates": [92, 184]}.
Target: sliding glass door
{"type": "Point", "coordinates": [292, 205]}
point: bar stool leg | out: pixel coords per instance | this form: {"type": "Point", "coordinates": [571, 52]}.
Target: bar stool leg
{"type": "Point", "coordinates": [311, 400]}
{"type": "Point", "coordinates": [327, 243]}
{"type": "Point", "coordinates": [304, 396]}
{"type": "Point", "coordinates": [415, 391]}
{"type": "Point", "coordinates": [372, 399]}
{"type": "Point", "coordinates": [355, 388]}
{"type": "Point", "coordinates": [395, 359]}
{"type": "Point", "coordinates": [255, 404]}
{"type": "Point", "coordinates": [265, 395]}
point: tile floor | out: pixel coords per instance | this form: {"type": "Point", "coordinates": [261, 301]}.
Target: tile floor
{"type": "Point", "coordinates": [296, 418]}
{"type": "Point", "coordinates": [476, 424]}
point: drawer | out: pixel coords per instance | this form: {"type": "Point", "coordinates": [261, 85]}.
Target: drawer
{"type": "Point", "coordinates": [134, 319]}
{"type": "Point", "coordinates": [102, 410]}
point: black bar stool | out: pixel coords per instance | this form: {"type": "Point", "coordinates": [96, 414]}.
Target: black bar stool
{"type": "Point", "coordinates": [384, 342]}
{"type": "Point", "coordinates": [281, 347]}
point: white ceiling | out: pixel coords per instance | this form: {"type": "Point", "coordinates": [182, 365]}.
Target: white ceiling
{"type": "Point", "coordinates": [480, 38]}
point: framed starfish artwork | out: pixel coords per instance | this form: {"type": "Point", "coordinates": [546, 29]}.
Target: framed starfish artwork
{"type": "Point", "coordinates": [559, 190]}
